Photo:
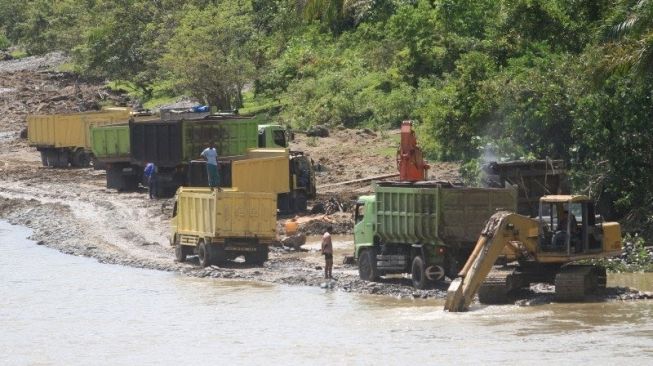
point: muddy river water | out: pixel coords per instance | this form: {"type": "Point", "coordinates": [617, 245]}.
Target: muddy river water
{"type": "Point", "coordinates": [58, 309]}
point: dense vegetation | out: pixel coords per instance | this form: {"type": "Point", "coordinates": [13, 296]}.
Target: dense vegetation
{"type": "Point", "coordinates": [569, 79]}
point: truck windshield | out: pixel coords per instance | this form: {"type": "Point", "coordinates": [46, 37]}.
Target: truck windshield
{"type": "Point", "coordinates": [280, 138]}
{"type": "Point", "coordinates": [360, 212]}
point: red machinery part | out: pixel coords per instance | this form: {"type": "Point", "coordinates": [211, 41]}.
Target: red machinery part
{"type": "Point", "coordinates": [410, 159]}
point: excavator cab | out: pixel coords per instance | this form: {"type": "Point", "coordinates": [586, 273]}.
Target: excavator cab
{"type": "Point", "coordinates": [568, 225]}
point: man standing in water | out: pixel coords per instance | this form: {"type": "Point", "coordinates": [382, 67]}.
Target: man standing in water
{"type": "Point", "coordinates": [327, 250]}
{"type": "Point", "coordinates": [210, 154]}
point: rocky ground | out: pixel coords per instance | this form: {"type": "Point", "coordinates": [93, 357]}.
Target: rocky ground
{"type": "Point", "coordinates": [72, 211]}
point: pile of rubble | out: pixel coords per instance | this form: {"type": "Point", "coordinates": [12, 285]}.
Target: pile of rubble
{"type": "Point", "coordinates": [30, 86]}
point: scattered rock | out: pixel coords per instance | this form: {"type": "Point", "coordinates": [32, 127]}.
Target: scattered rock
{"type": "Point", "coordinates": [294, 241]}
{"type": "Point", "coordinates": [5, 56]}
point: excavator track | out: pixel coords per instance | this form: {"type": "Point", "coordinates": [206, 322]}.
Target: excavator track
{"type": "Point", "coordinates": [497, 286]}
{"type": "Point", "coordinates": [575, 282]}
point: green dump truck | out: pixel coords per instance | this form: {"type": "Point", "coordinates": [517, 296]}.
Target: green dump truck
{"type": "Point", "coordinates": [427, 229]}
{"type": "Point", "coordinates": [222, 225]}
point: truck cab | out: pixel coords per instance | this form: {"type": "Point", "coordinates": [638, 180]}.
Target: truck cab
{"type": "Point", "coordinates": [364, 223]}
{"type": "Point", "coordinates": [272, 135]}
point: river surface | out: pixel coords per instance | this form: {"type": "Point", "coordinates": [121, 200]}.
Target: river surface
{"type": "Point", "coordinates": [57, 309]}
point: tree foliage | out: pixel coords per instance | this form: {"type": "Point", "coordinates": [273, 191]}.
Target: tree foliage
{"type": "Point", "coordinates": [211, 53]}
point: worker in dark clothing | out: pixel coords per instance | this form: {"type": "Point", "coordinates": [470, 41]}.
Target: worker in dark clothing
{"type": "Point", "coordinates": [565, 223]}
{"type": "Point", "coordinates": [152, 183]}
{"type": "Point", "coordinates": [565, 219]}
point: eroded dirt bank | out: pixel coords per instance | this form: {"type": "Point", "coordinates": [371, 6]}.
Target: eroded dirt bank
{"type": "Point", "coordinates": [72, 211]}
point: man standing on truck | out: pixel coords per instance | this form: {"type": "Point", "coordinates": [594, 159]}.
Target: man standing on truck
{"type": "Point", "coordinates": [327, 250]}
{"type": "Point", "coordinates": [210, 154]}
{"type": "Point", "coordinates": [150, 175]}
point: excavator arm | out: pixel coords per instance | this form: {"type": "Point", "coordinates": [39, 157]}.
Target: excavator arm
{"type": "Point", "coordinates": [505, 233]}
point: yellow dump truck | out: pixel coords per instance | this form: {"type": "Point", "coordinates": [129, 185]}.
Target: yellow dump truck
{"type": "Point", "coordinates": [222, 225]}
{"type": "Point", "coordinates": [64, 139]}
{"type": "Point", "coordinates": [287, 173]}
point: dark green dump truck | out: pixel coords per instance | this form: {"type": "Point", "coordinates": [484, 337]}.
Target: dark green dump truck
{"type": "Point", "coordinates": [427, 229]}
{"type": "Point", "coordinates": [171, 145]}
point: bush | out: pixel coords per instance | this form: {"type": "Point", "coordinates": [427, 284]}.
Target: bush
{"type": "Point", "coordinates": [636, 257]}
{"type": "Point", "coordinates": [4, 41]}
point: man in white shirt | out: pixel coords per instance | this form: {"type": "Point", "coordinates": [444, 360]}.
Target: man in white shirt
{"type": "Point", "coordinates": [210, 154]}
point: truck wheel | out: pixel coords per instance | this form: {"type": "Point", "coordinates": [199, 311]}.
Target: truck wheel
{"type": "Point", "coordinates": [204, 254]}
{"type": "Point", "coordinates": [258, 257]}
{"type": "Point", "coordinates": [80, 159]}
{"type": "Point", "coordinates": [367, 265]}
{"type": "Point", "coordinates": [419, 278]}
{"type": "Point", "coordinates": [97, 165]}
{"type": "Point", "coordinates": [63, 158]}
{"type": "Point", "coordinates": [180, 251]}
{"type": "Point", "coordinates": [262, 254]}
{"type": "Point", "coordinates": [44, 157]}
{"type": "Point", "coordinates": [52, 158]}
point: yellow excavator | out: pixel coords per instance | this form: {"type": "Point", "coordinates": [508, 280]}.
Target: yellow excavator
{"type": "Point", "coordinates": [514, 251]}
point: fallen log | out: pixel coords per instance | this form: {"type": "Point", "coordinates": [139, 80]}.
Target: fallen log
{"type": "Point", "coordinates": [360, 180]}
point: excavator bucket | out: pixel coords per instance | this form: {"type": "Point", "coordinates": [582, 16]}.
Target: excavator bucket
{"type": "Point", "coordinates": [454, 296]}
{"type": "Point", "coordinates": [500, 229]}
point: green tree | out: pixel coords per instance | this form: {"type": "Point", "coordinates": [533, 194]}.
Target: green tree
{"type": "Point", "coordinates": [211, 54]}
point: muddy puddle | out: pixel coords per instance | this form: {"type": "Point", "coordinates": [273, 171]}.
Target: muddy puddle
{"type": "Point", "coordinates": [60, 309]}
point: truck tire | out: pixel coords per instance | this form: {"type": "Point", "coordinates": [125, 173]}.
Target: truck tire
{"type": "Point", "coordinates": [204, 254]}
{"type": "Point", "coordinates": [259, 257]}
{"type": "Point", "coordinates": [180, 251]}
{"type": "Point", "coordinates": [62, 158]}
{"type": "Point", "coordinates": [417, 273]}
{"type": "Point", "coordinates": [52, 158]}
{"type": "Point", "coordinates": [367, 270]}
{"type": "Point", "coordinates": [80, 159]}
{"type": "Point", "coordinates": [97, 165]}
{"type": "Point", "coordinates": [44, 157]}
